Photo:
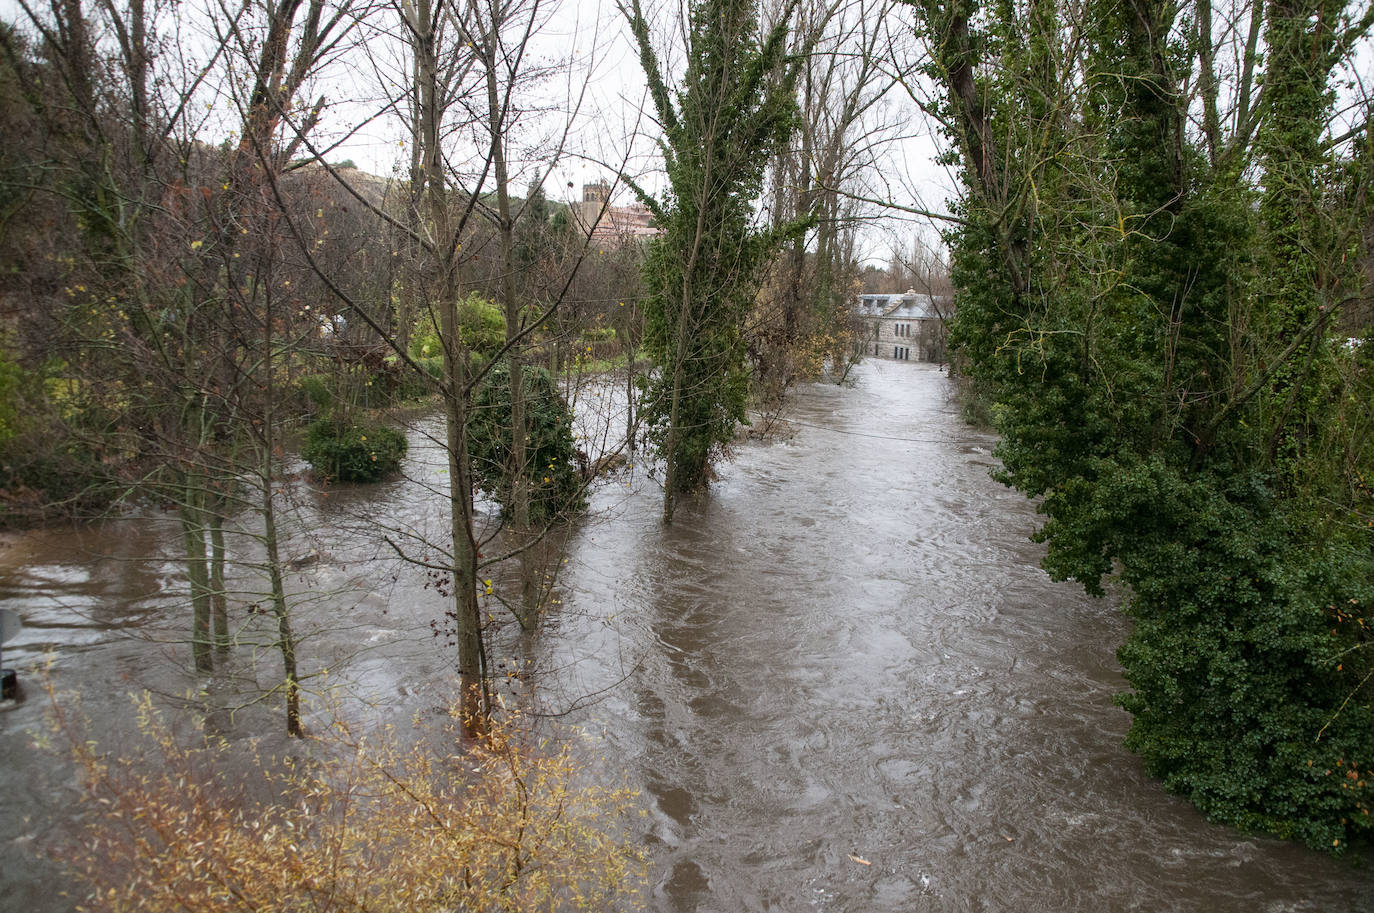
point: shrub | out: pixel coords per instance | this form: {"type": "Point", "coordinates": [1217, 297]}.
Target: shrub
{"type": "Point", "coordinates": [318, 390]}
{"type": "Point", "coordinates": [11, 382]}
{"type": "Point", "coordinates": [387, 823]}
{"type": "Point", "coordinates": [481, 328]}
{"type": "Point", "coordinates": [555, 486]}
{"type": "Point", "coordinates": [411, 385]}
{"type": "Point", "coordinates": [341, 451]}
{"type": "Point", "coordinates": [598, 334]}
{"type": "Point", "coordinates": [60, 452]}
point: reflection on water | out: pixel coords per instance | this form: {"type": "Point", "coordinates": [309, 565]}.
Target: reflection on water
{"type": "Point", "coordinates": [839, 680]}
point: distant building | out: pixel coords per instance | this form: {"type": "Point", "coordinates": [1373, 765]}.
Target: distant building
{"type": "Point", "coordinates": [908, 326]}
{"type": "Point", "coordinates": [609, 225]}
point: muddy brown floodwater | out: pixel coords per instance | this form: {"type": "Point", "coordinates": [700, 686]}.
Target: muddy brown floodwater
{"type": "Point", "coordinates": [840, 680]}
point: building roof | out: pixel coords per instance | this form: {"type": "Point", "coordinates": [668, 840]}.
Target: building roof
{"type": "Point", "coordinates": [908, 305]}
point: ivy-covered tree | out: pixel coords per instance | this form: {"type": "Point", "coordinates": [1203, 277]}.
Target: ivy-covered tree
{"type": "Point", "coordinates": [735, 109]}
{"type": "Point", "coordinates": [1154, 306]}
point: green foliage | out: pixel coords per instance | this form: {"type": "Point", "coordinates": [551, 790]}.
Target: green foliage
{"type": "Point", "coordinates": [555, 486]}
{"type": "Point", "coordinates": [433, 366]}
{"type": "Point", "coordinates": [736, 107]}
{"type": "Point", "coordinates": [341, 451]}
{"type": "Point", "coordinates": [411, 386]}
{"type": "Point", "coordinates": [318, 390]}
{"type": "Point", "coordinates": [11, 383]}
{"type": "Point", "coordinates": [368, 386]}
{"type": "Point", "coordinates": [59, 453]}
{"type": "Point", "coordinates": [44, 476]}
{"type": "Point", "coordinates": [481, 328]}
{"type": "Point", "coordinates": [1242, 687]}
{"type": "Point", "coordinates": [598, 334]}
{"type": "Point", "coordinates": [1152, 329]}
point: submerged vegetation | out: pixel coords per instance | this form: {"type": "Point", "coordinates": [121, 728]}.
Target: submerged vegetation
{"type": "Point", "coordinates": [344, 451]}
{"type": "Point", "coordinates": [557, 489]}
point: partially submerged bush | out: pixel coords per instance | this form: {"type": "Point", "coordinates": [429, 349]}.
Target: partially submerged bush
{"type": "Point", "coordinates": [555, 485]}
{"type": "Point", "coordinates": [342, 451]}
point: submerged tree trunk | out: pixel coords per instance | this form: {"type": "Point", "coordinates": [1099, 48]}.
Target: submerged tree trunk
{"type": "Point", "coordinates": [286, 641]}
{"type": "Point", "coordinates": [672, 470]}
{"type": "Point", "coordinates": [519, 470]}
{"type": "Point", "coordinates": [219, 608]}
{"type": "Point", "coordinates": [197, 573]}
{"type": "Point", "coordinates": [467, 611]}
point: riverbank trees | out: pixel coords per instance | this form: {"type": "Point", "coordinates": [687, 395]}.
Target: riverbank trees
{"type": "Point", "coordinates": [170, 323]}
{"type": "Point", "coordinates": [1161, 265]}
{"type": "Point", "coordinates": [842, 127]}
{"type": "Point", "coordinates": [193, 281]}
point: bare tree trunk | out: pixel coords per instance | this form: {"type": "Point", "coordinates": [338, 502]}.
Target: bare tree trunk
{"type": "Point", "coordinates": [193, 542]}
{"type": "Point", "coordinates": [467, 611]}
{"type": "Point", "coordinates": [219, 609]}
{"type": "Point", "coordinates": [286, 641]}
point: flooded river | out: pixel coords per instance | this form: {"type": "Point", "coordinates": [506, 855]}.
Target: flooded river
{"type": "Point", "coordinates": [839, 681]}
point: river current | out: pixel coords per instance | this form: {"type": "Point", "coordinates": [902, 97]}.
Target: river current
{"type": "Point", "coordinates": [839, 679]}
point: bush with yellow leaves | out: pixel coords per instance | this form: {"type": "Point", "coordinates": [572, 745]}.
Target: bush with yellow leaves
{"type": "Point", "coordinates": [371, 822]}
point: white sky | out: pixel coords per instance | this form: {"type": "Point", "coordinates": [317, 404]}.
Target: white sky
{"type": "Point", "coordinates": [612, 127]}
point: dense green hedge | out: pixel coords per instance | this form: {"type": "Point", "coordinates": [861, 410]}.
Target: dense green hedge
{"type": "Point", "coordinates": [341, 451]}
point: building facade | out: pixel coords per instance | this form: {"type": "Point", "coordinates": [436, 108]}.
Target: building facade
{"type": "Point", "coordinates": [908, 326]}
{"type": "Point", "coordinates": [611, 226]}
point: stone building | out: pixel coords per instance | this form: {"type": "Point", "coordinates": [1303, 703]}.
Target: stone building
{"type": "Point", "coordinates": [908, 326]}
{"type": "Point", "coordinates": [611, 226]}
